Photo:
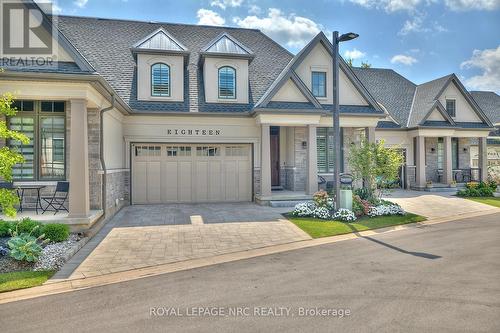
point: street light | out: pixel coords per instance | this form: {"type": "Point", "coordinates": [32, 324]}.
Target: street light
{"type": "Point", "coordinates": [336, 111]}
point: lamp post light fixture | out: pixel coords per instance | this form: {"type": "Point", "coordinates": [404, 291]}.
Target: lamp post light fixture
{"type": "Point", "coordinates": [336, 111]}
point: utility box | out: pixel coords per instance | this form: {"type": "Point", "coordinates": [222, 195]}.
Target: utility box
{"type": "Point", "coordinates": [346, 199]}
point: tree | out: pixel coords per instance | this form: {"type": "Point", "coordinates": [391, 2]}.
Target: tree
{"type": "Point", "coordinates": [374, 163]}
{"type": "Point", "coordinates": [365, 65]}
{"type": "Point", "coordinates": [9, 157]}
{"type": "Point", "coordinates": [349, 62]}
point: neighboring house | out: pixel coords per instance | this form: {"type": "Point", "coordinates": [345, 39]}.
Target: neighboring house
{"type": "Point", "coordinates": [145, 113]}
{"type": "Point", "coordinates": [490, 103]}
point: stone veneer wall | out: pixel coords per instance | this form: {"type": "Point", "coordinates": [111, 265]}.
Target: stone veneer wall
{"type": "Point", "coordinates": [298, 174]}
{"type": "Point", "coordinates": [95, 177]}
{"type": "Point", "coordinates": [117, 190]}
{"type": "Point", "coordinates": [431, 157]}
{"type": "Point", "coordinates": [256, 180]}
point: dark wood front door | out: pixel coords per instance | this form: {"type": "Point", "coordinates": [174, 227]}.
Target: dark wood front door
{"type": "Point", "coordinates": [275, 156]}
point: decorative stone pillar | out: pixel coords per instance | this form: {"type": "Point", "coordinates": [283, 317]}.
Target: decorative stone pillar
{"type": "Point", "coordinates": [312, 161]}
{"type": "Point", "coordinates": [265, 161]}
{"type": "Point", "coordinates": [370, 134]}
{"type": "Point", "coordinates": [420, 179]}
{"type": "Point", "coordinates": [447, 161]}
{"type": "Point", "coordinates": [483, 159]}
{"type": "Point", "coordinates": [79, 163]}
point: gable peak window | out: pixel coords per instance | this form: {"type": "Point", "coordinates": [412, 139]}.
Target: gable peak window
{"type": "Point", "coordinates": [451, 107]}
{"type": "Point", "coordinates": [318, 84]}
{"type": "Point", "coordinates": [227, 82]}
{"type": "Point", "coordinates": [160, 80]}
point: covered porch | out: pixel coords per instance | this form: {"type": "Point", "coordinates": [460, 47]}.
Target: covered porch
{"type": "Point", "coordinates": [297, 156]}
{"type": "Point", "coordinates": [442, 159]}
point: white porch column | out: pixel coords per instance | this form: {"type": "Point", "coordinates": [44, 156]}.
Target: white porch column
{"type": "Point", "coordinates": [447, 161]}
{"type": "Point", "coordinates": [78, 160]}
{"type": "Point", "coordinates": [420, 179]}
{"type": "Point", "coordinates": [483, 159]}
{"type": "Point", "coordinates": [265, 161]}
{"type": "Point", "coordinates": [370, 134]}
{"type": "Point", "coordinates": [312, 161]}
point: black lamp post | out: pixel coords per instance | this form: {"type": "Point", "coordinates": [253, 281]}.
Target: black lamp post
{"type": "Point", "coordinates": [336, 110]}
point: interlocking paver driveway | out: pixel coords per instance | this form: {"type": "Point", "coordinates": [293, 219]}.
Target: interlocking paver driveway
{"type": "Point", "coordinates": [435, 204]}
{"type": "Point", "coordinates": [141, 236]}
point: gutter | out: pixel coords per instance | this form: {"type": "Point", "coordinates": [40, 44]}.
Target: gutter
{"type": "Point", "coordinates": [101, 153]}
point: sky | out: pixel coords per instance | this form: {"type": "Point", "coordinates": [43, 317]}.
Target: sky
{"type": "Point", "coordinates": [421, 39]}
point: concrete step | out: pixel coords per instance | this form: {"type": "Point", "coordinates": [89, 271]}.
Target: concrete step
{"type": "Point", "coordinates": [442, 189]}
{"type": "Point", "coordinates": [285, 203]}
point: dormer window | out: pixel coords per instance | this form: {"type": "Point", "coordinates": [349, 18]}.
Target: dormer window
{"type": "Point", "coordinates": [227, 83]}
{"type": "Point", "coordinates": [160, 80]}
{"type": "Point", "coordinates": [451, 107]}
{"type": "Point", "coordinates": [318, 84]}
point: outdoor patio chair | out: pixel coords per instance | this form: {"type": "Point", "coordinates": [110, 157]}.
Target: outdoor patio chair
{"type": "Point", "coordinates": [57, 200]}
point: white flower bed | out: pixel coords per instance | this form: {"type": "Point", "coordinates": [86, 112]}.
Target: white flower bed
{"type": "Point", "coordinates": [304, 209]}
{"type": "Point", "coordinates": [344, 215]}
{"type": "Point", "coordinates": [386, 210]}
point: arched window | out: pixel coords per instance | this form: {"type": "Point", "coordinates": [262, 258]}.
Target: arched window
{"type": "Point", "coordinates": [160, 80]}
{"type": "Point", "coordinates": [227, 82]}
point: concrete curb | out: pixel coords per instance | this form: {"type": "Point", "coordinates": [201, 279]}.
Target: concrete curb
{"type": "Point", "coordinates": [57, 287]}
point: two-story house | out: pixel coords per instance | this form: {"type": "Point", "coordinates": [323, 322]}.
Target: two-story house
{"type": "Point", "coordinates": [148, 113]}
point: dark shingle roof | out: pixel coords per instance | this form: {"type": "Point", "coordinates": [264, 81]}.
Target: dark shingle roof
{"type": "Point", "coordinates": [425, 98]}
{"type": "Point", "coordinates": [390, 89]}
{"type": "Point", "coordinates": [489, 102]}
{"type": "Point", "coordinates": [56, 67]}
{"type": "Point", "coordinates": [106, 44]}
{"type": "Point", "coordinates": [434, 123]}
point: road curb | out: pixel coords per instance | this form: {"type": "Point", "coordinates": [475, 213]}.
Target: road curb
{"type": "Point", "coordinates": [57, 287]}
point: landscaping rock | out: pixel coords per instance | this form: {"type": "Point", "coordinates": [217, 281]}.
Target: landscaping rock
{"type": "Point", "coordinates": [55, 255]}
{"type": "Point", "coordinates": [8, 264]}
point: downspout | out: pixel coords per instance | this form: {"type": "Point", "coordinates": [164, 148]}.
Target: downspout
{"type": "Point", "coordinates": [101, 153]}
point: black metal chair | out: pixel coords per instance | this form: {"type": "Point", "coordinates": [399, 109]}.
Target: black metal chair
{"type": "Point", "coordinates": [56, 201]}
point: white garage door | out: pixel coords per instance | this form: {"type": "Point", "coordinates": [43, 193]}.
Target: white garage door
{"type": "Point", "coordinates": [165, 173]}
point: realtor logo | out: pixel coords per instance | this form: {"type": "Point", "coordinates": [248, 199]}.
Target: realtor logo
{"type": "Point", "coordinates": [27, 34]}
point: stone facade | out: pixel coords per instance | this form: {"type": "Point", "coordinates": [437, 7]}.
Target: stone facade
{"type": "Point", "coordinates": [256, 180]}
{"type": "Point", "coordinates": [95, 178]}
{"type": "Point", "coordinates": [431, 156]}
{"type": "Point", "coordinates": [117, 190]}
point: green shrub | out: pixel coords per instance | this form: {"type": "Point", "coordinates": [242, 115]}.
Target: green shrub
{"type": "Point", "coordinates": [4, 228]}
{"type": "Point", "coordinates": [56, 232]}
{"type": "Point", "coordinates": [474, 189]}
{"type": "Point", "coordinates": [25, 246]}
{"type": "Point", "coordinates": [28, 226]}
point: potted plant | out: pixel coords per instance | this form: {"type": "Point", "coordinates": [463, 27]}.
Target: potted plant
{"type": "Point", "coordinates": [428, 184]}
{"type": "Point", "coordinates": [453, 183]}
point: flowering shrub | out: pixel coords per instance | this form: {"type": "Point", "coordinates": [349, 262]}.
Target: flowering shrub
{"type": "Point", "coordinates": [360, 206]}
{"type": "Point", "coordinates": [304, 209]}
{"type": "Point", "coordinates": [321, 213]}
{"type": "Point", "coordinates": [320, 198]}
{"type": "Point", "coordinates": [344, 215]}
{"type": "Point", "coordinates": [386, 210]}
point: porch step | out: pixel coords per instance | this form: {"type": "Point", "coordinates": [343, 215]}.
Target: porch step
{"type": "Point", "coordinates": [285, 203]}
{"type": "Point", "coordinates": [442, 189]}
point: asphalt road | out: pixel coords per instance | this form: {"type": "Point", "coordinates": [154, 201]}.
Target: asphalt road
{"type": "Point", "coordinates": [440, 278]}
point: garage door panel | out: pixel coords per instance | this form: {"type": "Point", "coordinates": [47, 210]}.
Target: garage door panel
{"type": "Point", "coordinates": [191, 173]}
{"type": "Point", "coordinates": [184, 174]}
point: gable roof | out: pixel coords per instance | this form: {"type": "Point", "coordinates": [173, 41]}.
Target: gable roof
{"type": "Point", "coordinates": [289, 73]}
{"type": "Point", "coordinates": [159, 39]}
{"type": "Point", "coordinates": [489, 102]}
{"type": "Point", "coordinates": [106, 44]}
{"type": "Point", "coordinates": [226, 44]}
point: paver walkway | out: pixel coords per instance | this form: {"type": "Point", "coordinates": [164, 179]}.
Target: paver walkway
{"type": "Point", "coordinates": [435, 204]}
{"type": "Point", "coordinates": [141, 236]}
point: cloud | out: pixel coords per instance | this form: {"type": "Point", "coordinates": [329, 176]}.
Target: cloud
{"type": "Point", "coordinates": [254, 9]}
{"type": "Point", "coordinates": [389, 6]}
{"type": "Point", "coordinates": [464, 5]}
{"type": "Point", "coordinates": [223, 4]}
{"type": "Point", "coordinates": [209, 17]}
{"type": "Point", "coordinates": [81, 3]}
{"type": "Point", "coordinates": [292, 30]}
{"type": "Point", "coordinates": [488, 61]}
{"type": "Point", "coordinates": [403, 59]}
{"type": "Point", "coordinates": [354, 54]}
{"type": "Point", "coordinates": [418, 24]}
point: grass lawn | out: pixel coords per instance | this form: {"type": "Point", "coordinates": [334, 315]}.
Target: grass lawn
{"type": "Point", "coordinates": [317, 228]}
{"type": "Point", "coordinates": [23, 279]}
{"type": "Point", "coordinates": [492, 201]}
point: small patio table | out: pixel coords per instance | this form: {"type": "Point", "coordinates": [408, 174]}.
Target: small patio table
{"type": "Point", "coordinates": [20, 193]}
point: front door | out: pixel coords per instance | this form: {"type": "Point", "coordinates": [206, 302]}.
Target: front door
{"type": "Point", "coordinates": [275, 156]}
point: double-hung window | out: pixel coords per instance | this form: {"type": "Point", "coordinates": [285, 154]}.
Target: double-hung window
{"type": "Point", "coordinates": [44, 123]}
{"type": "Point", "coordinates": [160, 80]}
{"type": "Point", "coordinates": [451, 107]}
{"type": "Point", "coordinates": [318, 84]}
{"type": "Point", "coordinates": [324, 146]}
{"type": "Point", "coordinates": [227, 83]}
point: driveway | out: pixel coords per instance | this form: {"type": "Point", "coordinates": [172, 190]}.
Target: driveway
{"type": "Point", "coordinates": [147, 235]}
{"type": "Point", "coordinates": [435, 205]}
